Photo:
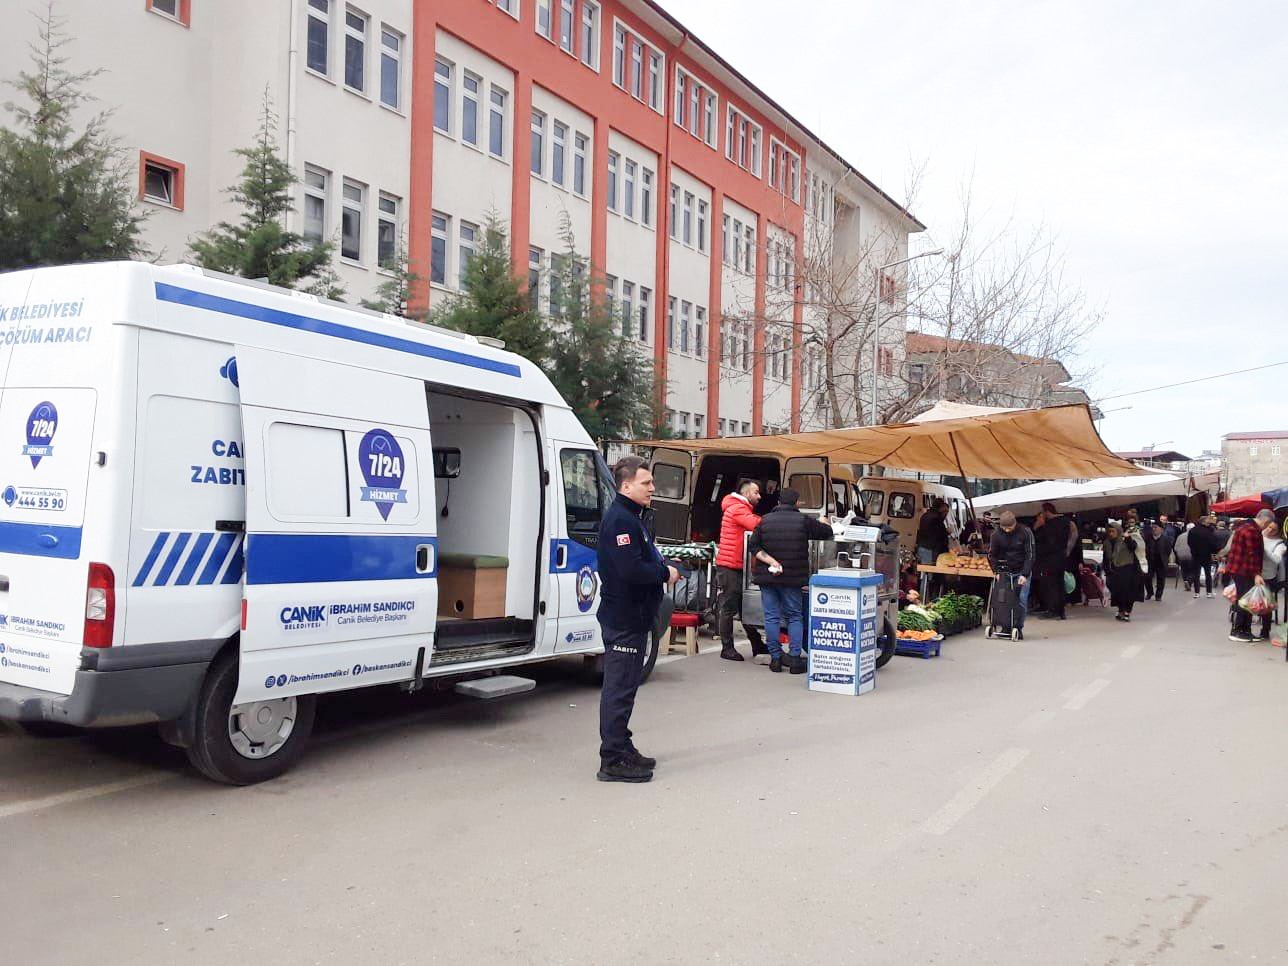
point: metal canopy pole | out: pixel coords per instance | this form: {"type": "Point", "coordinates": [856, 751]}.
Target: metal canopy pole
{"type": "Point", "coordinates": [970, 500]}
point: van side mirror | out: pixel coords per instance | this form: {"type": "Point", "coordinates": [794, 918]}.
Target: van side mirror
{"type": "Point", "coordinates": [447, 464]}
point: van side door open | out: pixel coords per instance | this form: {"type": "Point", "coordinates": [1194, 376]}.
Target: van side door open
{"type": "Point", "coordinates": [808, 476]}
{"type": "Point", "coordinates": [341, 549]}
{"type": "Point", "coordinates": [672, 471]}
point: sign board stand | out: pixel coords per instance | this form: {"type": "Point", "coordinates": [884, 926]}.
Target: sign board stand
{"type": "Point", "coordinates": [843, 631]}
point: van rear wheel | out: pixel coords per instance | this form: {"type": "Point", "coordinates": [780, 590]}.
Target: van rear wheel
{"type": "Point", "coordinates": [246, 743]}
{"type": "Point", "coordinates": [889, 641]}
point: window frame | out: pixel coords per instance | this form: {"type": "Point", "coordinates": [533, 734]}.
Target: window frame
{"type": "Point", "coordinates": [439, 235]}
{"type": "Point", "coordinates": [315, 14]}
{"type": "Point", "coordinates": [177, 175]}
{"type": "Point", "coordinates": [396, 59]}
{"type": "Point", "coordinates": [363, 38]}
{"type": "Point", "coordinates": [182, 12]}
{"type": "Point", "coordinates": [699, 331]}
{"type": "Point", "coordinates": [497, 113]}
{"type": "Point", "coordinates": [580, 155]}
{"type": "Point", "coordinates": [317, 193]}
{"type": "Point", "coordinates": [610, 183]}
{"type": "Point", "coordinates": [646, 196]}
{"type": "Point", "coordinates": [449, 97]}
{"type": "Point", "coordinates": [640, 82]}
{"type": "Point", "coordinates": [537, 143]}
{"type": "Point", "coordinates": [548, 7]}
{"type": "Point", "coordinates": [559, 153]}
{"type": "Point", "coordinates": [630, 175]}
{"type": "Point", "coordinates": [392, 220]}
{"type": "Point", "coordinates": [475, 98]}
{"type": "Point", "coordinates": [465, 253]}
{"type": "Point", "coordinates": [360, 206]}
{"type": "Point", "coordinates": [645, 306]}
{"type": "Point", "coordinates": [568, 27]}
{"type": "Point", "coordinates": [591, 18]}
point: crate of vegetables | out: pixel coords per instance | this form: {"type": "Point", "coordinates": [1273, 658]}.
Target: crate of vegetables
{"type": "Point", "coordinates": [916, 635]}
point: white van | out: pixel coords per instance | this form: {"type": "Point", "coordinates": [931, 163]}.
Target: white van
{"type": "Point", "coordinates": [901, 503]}
{"type": "Point", "coordinates": [221, 499]}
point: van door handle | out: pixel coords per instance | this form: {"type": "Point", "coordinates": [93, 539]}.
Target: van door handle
{"type": "Point", "coordinates": [425, 558]}
{"type": "Point", "coordinates": [561, 556]}
{"type": "Point", "coordinates": [47, 540]}
{"type": "Point", "coordinates": [4, 585]}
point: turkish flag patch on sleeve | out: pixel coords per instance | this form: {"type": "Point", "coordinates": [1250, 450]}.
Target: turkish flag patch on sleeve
{"type": "Point", "coordinates": [623, 539]}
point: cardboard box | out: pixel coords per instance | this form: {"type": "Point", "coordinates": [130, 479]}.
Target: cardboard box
{"type": "Point", "coordinates": [471, 588]}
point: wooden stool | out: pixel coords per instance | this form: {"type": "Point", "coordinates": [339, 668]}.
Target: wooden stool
{"type": "Point", "coordinates": [687, 621]}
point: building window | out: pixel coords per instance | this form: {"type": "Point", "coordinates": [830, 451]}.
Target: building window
{"type": "Point", "coordinates": [673, 221]}
{"type": "Point", "coordinates": [315, 199]}
{"type": "Point", "coordinates": [699, 425]}
{"type": "Point", "coordinates": [685, 309]}
{"type": "Point", "coordinates": [496, 123]}
{"type": "Point", "coordinates": [566, 25]}
{"type": "Point", "coordinates": [590, 34]}
{"type": "Point", "coordinates": [318, 39]}
{"type": "Point", "coordinates": [610, 297]}
{"type": "Point", "coordinates": [387, 231]}
{"type": "Point", "coordinates": [628, 307]}
{"type": "Point", "coordinates": [355, 50]}
{"type": "Point", "coordinates": [443, 95]}
{"type": "Point", "coordinates": [655, 80]}
{"type": "Point", "coordinates": [613, 160]}
{"type": "Point", "coordinates": [686, 235]}
{"type": "Point", "coordinates": [619, 56]}
{"type": "Point", "coordinates": [509, 6]}
{"type": "Point", "coordinates": [670, 322]}
{"type": "Point", "coordinates": [438, 248]}
{"type": "Point", "coordinates": [470, 87]}
{"type": "Point", "coordinates": [700, 332]}
{"type": "Point", "coordinates": [646, 301]}
{"type": "Point", "coordinates": [646, 197]}
{"type": "Point", "coordinates": [737, 244]}
{"type": "Point", "coordinates": [1253, 450]}
{"type": "Point", "coordinates": [1274, 449]}
{"type": "Point", "coordinates": [543, 18]}
{"type": "Point", "coordinates": [160, 180]}
{"type": "Point", "coordinates": [724, 239]}
{"type": "Point", "coordinates": [702, 226]}
{"type": "Point", "coordinates": [628, 190]}
{"type": "Point", "coordinates": [469, 239]}
{"type": "Point", "coordinates": [391, 68]}
{"type": "Point", "coordinates": [749, 250]}
{"type": "Point", "coordinates": [743, 141]}
{"type": "Point", "coordinates": [535, 256]}
{"type": "Point", "coordinates": [681, 95]}
{"type": "Point", "coordinates": [351, 217]}
{"type": "Point", "coordinates": [709, 119]}
{"type": "Point", "coordinates": [538, 153]}
{"type": "Point", "coordinates": [580, 143]}
{"type": "Point", "coordinates": [558, 152]}
{"type": "Point", "coordinates": [637, 69]}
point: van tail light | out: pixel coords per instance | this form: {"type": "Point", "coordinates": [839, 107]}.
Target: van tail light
{"type": "Point", "coordinates": [243, 613]}
{"type": "Point", "coordinates": [100, 606]}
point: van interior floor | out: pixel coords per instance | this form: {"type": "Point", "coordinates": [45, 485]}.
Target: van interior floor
{"type": "Point", "coordinates": [462, 641]}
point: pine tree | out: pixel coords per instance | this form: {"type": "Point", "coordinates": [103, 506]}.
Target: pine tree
{"type": "Point", "coordinates": [65, 196]}
{"type": "Point", "coordinates": [493, 302]}
{"type": "Point", "coordinates": [395, 292]}
{"type": "Point", "coordinates": [259, 246]}
{"type": "Point", "coordinates": [606, 379]}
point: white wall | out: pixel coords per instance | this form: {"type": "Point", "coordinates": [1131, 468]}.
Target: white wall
{"type": "Point", "coordinates": [689, 275]}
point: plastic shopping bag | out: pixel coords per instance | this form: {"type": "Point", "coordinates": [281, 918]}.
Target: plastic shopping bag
{"type": "Point", "coordinates": [1229, 593]}
{"type": "Point", "coordinates": [1259, 601]}
{"type": "Point", "coordinates": [1070, 583]}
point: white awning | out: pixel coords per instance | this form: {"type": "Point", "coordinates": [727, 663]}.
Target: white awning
{"type": "Point", "coordinates": [1070, 495]}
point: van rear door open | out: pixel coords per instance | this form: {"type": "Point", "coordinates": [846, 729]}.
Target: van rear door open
{"type": "Point", "coordinates": [341, 557]}
{"type": "Point", "coordinates": [673, 476]}
{"type": "Point", "coordinates": [808, 475]}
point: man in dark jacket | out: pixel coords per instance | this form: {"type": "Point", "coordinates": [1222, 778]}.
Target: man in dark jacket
{"type": "Point", "coordinates": [1203, 544]}
{"type": "Point", "coordinates": [1053, 544]}
{"type": "Point", "coordinates": [932, 540]}
{"type": "Point", "coordinates": [1011, 552]}
{"type": "Point", "coordinates": [1160, 554]}
{"type": "Point", "coordinates": [632, 574]}
{"type": "Point", "coordinates": [780, 548]}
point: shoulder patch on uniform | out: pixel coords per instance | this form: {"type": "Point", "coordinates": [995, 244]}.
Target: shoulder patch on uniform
{"type": "Point", "coordinates": [623, 539]}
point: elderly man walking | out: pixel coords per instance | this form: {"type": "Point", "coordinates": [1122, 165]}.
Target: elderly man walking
{"type": "Point", "coordinates": [1243, 565]}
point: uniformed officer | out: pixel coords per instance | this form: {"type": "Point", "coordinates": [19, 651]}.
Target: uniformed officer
{"type": "Point", "coordinates": [633, 575]}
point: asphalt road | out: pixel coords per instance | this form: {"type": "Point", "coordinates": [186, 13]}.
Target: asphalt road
{"type": "Point", "coordinates": [1101, 793]}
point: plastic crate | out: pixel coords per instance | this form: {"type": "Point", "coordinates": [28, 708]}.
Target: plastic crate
{"type": "Point", "coordinates": [923, 649]}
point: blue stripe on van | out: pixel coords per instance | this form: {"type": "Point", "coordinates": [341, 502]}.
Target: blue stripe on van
{"type": "Point", "coordinates": [217, 557]}
{"type": "Point", "coordinates": [194, 559]}
{"type": "Point", "coordinates": [172, 561]}
{"type": "Point", "coordinates": [579, 556]}
{"type": "Point", "coordinates": [304, 323]}
{"type": "Point", "coordinates": [305, 558]}
{"type": "Point", "coordinates": [38, 540]}
{"type": "Point", "coordinates": [233, 574]}
{"type": "Point", "coordinates": [141, 577]}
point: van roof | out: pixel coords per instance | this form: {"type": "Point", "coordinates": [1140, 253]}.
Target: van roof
{"type": "Point", "coordinates": [188, 300]}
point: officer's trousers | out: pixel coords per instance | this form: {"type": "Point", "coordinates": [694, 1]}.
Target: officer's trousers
{"type": "Point", "coordinates": [623, 670]}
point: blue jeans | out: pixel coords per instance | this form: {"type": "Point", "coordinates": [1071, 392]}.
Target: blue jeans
{"type": "Point", "coordinates": [783, 605]}
{"type": "Point", "coordinates": [1024, 595]}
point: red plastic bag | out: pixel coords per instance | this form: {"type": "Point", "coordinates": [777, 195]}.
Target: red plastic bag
{"type": "Point", "coordinates": [1259, 601]}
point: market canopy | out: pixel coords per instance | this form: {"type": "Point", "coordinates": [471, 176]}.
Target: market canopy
{"type": "Point", "coordinates": [1059, 442]}
{"type": "Point", "coordinates": [1072, 495]}
{"type": "Point", "coordinates": [1244, 506]}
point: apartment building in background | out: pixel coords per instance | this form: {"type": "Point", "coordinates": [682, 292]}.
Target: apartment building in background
{"type": "Point", "coordinates": [1254, 462]}
{"type": "Point", "coordinates": [694, 196]}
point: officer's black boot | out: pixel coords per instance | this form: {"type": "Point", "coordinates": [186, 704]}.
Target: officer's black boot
{"type": "Point", "coordinates": [624, 770]}
{"type": "Point", "coordinates": [643, 761]}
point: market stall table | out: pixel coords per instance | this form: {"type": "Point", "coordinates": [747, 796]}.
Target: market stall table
{"type": "Point", "coordinates": [925, 570]}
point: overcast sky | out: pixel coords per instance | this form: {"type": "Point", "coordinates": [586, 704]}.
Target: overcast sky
{"type": "Point", "coordinates": [1152, 136]}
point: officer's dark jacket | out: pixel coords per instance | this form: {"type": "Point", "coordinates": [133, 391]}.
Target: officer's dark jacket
{"type": "Point", "coordinates": [630, 569]}
{"type": "Point", "coordinates": [784, 534]}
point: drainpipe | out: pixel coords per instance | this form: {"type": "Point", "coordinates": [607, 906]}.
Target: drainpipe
{"type": "Point", "coordinates": [292, 63]}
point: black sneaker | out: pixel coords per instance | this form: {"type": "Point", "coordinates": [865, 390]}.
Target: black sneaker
{"type": "Point", "coordinates": [644, 761]}
{"type": "Point", "coordinates": [799, 664]}
{"type": "Point", "coordinates": [624, 770]}
{"type": "Point", "coordinates": [776, 664]}
{"type": "Point", "coordinates": [730, 654]}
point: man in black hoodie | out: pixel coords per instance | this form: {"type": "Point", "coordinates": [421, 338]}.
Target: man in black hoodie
{"type": "Point", "coordinates": [780, 551]}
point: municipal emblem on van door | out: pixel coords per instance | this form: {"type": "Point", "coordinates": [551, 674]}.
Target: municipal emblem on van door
{"type": "Point", "coordinates": [41, 426]}
{"type": "Point", "coordinates": [229, 370]}
{"type": "Point", "coordinates": [382, 467]}
{"type": "Point", "coordinates": [587, 584]}
{"type": "Point", "coordinates": [10, 495]}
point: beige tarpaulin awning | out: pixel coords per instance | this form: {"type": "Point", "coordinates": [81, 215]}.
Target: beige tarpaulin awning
{"type": "Point", "coordinates": [1056, 443]}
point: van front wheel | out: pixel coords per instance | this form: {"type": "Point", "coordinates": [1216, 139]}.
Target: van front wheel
{"type": "Point", "coordinates": [246, 743]}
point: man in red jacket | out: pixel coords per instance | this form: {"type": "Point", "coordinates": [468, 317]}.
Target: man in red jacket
{"type": "Point", "coordinates": [738, 519]}
{"type": "Point", "coordinates": [1243, 564]}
